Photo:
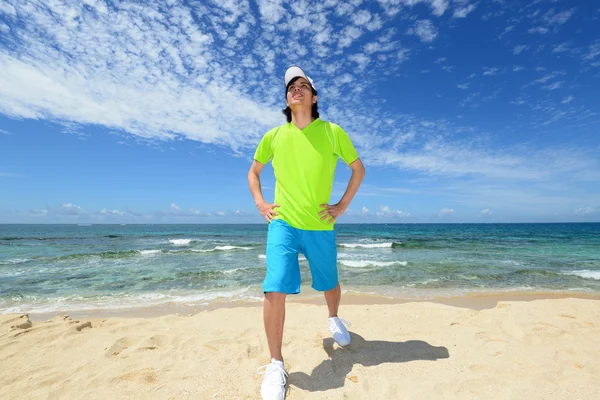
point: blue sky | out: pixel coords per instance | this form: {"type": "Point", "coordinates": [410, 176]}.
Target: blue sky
{"type": "Point", "coordinates": [149, 112]}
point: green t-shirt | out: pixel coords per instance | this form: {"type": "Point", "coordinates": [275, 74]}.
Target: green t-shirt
{"type": "Point", "coordinates": [304, 163]}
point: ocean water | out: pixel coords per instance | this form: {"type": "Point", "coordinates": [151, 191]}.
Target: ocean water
{"type": "Point", "coordinates": [51, 268]}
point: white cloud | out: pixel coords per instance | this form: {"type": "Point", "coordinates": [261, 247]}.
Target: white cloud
{"type": "Point", "coordinates": [271, 11]}
{"type": "Point", "coordinates": [446, 212]}
{"type": "Point", "coordinates": [425, 30]}
{"type": "Point", "coordinates": [69, 209]}
{"type": "Point", "coordinates": [439, 7]}
{"type": "Point", "coordinates": [175, 207]}
{"type": "Point", "coordinates": [486, 213]}
{"type": "Point", "coordinates": [547, 78]}
{"type": "Point", "coordinates": [37, 213]}
{"type": "Point", "coordinates": [2, 131]}
{"type": "Point", "coordinates": [8, 9]}
{"type": "Point", "coordinates": [540, 29]}
{"type": "Point", "coordinates": [362, 17]}
{"type": "Point", "coordinates": [462, 12]}
{"type": "Point", "coordinates": [561, 48]}
{"type": "Point", "coordinates": [9, 175]}
{"type": "Point", "coordinates": [558, 18]}
{"type": "Point", "coordinates": [221, 213]}
{"type": "Point", "coordinates": [584, 211]}
{"type": "Point", "coordinates": [487, 71]}
{"type": "Point", "coordinates": [518, 68]}
{"type": "Point", "coordinates": [361, 60]}
{"type": "Point", "coordinates": [123, 72]}
{"type": "Point", "coordinates": [348, 35]}
{"type": "Point", "coordinates": [364, 210]}
{"type": "Point", "coordinates": [520, 49]}
{"type": "Point", "coordinates": [105, 211]}
{"type": "Point", "coordinates": [593, 51]}
{"type": "Point", "coordinates": [386, 211]}
{"type": "Point", "coordinates": [463, 86]}
{"type": "Point", "coordinates": [554, 86]}
{"type": "Point", "coordinates": [519, 100]}
{"type": "Point", "coordinates": [567, 100]}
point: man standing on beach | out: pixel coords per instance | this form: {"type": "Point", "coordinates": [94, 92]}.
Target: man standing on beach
{"type": "Point", "coordinates": [304, 153]}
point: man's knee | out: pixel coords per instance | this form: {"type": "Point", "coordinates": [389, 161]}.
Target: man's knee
{"type": "Point", "coordinates": [275, 297]}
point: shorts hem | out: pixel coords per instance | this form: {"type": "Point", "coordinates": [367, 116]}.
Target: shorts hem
{"type": "Point", "coordinates": [324, 290]}
{"type": "Point", "coordinates": [281, 290]}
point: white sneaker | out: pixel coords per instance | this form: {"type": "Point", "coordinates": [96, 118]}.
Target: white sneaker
{"type": "Point", "coordinates": [273, 384]}
{"type": "Point", "coordinates": [339, 331]}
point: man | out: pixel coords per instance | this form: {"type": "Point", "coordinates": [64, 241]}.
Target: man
{"type": "Point", "coordinates": [304, 153]}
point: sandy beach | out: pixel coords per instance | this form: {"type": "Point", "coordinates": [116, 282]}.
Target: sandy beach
{"type": "Point", "coordinates": [538, 349]}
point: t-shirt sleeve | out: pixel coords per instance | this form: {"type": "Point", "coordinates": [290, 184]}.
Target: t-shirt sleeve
{"type": "Point", "coordinates": [264, 150]}
{"type": "Point", "coordinates": [343, 145]}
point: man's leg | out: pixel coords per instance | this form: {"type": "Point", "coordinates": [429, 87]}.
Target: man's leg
{"type": "Point", "coordinates": [332, 297]}
{"type": "Point", "coordinates": [274, 318]}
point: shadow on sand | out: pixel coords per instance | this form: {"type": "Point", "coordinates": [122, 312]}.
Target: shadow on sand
{"type": "Point", "coordinates": [331, 374]}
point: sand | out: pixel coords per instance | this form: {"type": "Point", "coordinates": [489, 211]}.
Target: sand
{"type": "Point", "coordinates": [540, 349]}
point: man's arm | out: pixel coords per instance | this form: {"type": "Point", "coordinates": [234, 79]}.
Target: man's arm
{"type": "Point", "coordinates": [331, 213]}
{"type": "Point", "coordinates": [266, 210]}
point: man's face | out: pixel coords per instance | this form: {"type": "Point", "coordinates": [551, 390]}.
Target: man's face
{"type": "Point", "coordinates": [300, 93]}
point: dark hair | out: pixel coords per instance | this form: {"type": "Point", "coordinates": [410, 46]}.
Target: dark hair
{"type": "Point", "coordinates": [288, 111]}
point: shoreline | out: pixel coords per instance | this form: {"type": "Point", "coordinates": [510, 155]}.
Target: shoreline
{"type": "Point", "coordinates": [472, 300]}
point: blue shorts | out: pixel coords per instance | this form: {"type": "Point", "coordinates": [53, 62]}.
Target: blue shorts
{"type": "Point", "coordinates": [284, 242]}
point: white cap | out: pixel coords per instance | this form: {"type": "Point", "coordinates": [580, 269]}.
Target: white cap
{"type": "Point", "coordinates": [294, 72]}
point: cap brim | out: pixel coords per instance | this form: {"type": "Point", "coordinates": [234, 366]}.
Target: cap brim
{"type": "Point", "coordinates": [295, 72]}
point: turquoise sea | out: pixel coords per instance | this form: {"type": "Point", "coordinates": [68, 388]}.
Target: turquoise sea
{"type": "Point", "coordinates": [55, 268]}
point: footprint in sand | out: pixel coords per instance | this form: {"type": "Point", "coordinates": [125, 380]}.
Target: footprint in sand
{"type": "Point", "coordinates": [145, 375]}
{"type": "Point", "coordinates": [153, 343]}
{"type": "Point", "coordinates": [119, 346]}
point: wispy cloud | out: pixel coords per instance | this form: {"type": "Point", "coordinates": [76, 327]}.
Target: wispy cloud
{"type": "Point", "coordinates": [539, 30]}
{"type": "Point", "coordinates": [389, 212]}
{"type": "Point", "coordinates": [519, 49]}
{"type": "Point", "coordinates": [581, 211]}
{"type": "Point", "coordinates": [561, 48]}
{"type": "Point", "coordinates": [553, 17]}
{"type": "Point", "coordinates": [463, 9]}
{"type": "Point", "coordinates": [487, 71]}
{"type": "Point", "coordinates": [554, 86]}
{"type": "Point", "coordinates": [593, 52]}
{"type": "Point", "coordinates": [425, 30]}
{"type": "Point", "coordinates": [10, 175]}
{"type": "Point", "coordinates": [445, 212]}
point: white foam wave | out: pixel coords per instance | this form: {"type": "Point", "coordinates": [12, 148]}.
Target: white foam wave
{"type": "Point", "coordinates": [180, 242]}
{"type": "Point", "coordinates": [370, 263]}
{"type": "Point", "coordinates": [221, 248]}
{"type": "Point", "coordinates": [367, 245]}
{"type": "Point", "coordinates": [233, 270]}
{"type": "Point", "coordinates": [150, 252]}
{"type": "Point", "coordinates": [80, 303]}
{"type": "Point", "coordinates": [15, 261]}
{"type": "Point", "coordinates": [425, 282]}
{"type": "Point", "coordinates": [227, 248]}
{"type": "Point", "coordinates": [585, 273]}
{"type": "Point", "coordinates": [262, 256]}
